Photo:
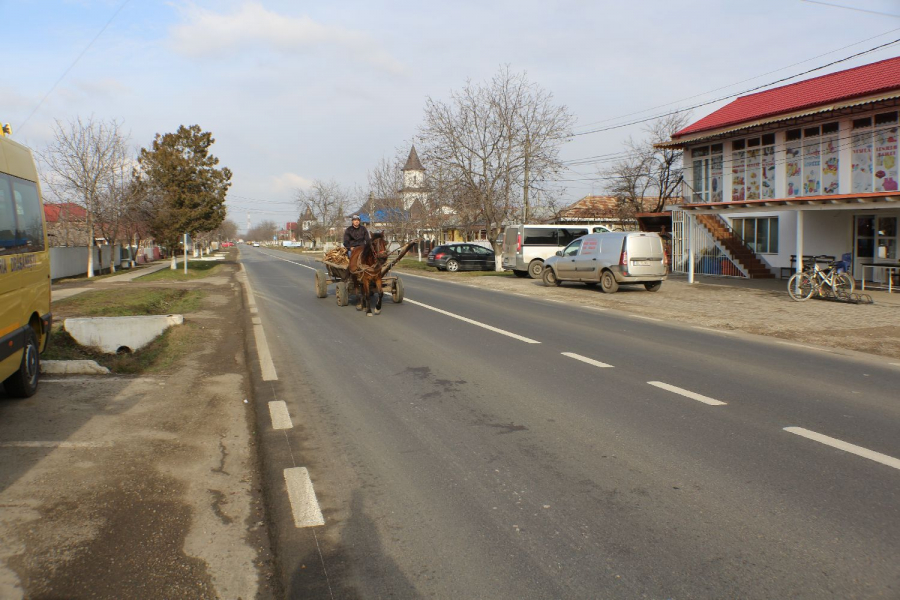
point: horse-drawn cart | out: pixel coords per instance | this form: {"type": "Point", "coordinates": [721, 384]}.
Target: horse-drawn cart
{"type": "Point", "coordinates": [338, 272]}
{"type": "Point", "coordinates": [345, 286]}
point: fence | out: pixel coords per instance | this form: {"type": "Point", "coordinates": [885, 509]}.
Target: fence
{"type": "Point", "coordinates": [72, 261]}
{"type": "Point", "coordinates": [710, 258]}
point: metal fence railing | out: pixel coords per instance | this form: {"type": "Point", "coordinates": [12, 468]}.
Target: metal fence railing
{"type": "Point", "coordinates": [710, 258]}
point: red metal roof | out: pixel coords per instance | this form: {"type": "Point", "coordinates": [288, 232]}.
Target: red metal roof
{"type": "Point", "coordinates": [69, 210]}
{"type": "Point", "coordinates": [861, 81]}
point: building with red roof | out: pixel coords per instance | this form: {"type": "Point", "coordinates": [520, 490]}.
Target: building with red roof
{"type": "Point", "coordinates": [805, 169]}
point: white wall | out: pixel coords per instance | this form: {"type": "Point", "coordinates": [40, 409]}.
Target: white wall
{"type": "Point", "coordinates": [72, 261]}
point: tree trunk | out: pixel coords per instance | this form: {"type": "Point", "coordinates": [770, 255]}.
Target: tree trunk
{"type": "Point", "coordinates": [90, 265]}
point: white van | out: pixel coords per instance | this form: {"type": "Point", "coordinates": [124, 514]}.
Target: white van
{"type": "Point", "coordinates": [610, 259]}
{"type": "Point", "coordinates": [526, 247]}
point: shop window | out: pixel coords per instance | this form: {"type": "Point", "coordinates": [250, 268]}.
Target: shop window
{"type": "Point", "coordinates": [753, 168]}
{"type": "Point", "coordinates": [759, 234]}
{"type": "Point", "coordinates": [874, 151]}
{"type": "Point", "coordinates": [811, 161]}
{"type": "Point", "coordinates": [707, 173]}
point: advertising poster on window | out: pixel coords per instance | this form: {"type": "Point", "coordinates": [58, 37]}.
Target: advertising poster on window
{"type": "Point", "coordinates": [768, 172]}
{"type": "Point", "coordinates": [861, 163]}
{"type": "Point", "coordinates": [715, 179]}
{"type": "Point", "coordinates": [830, 183]}
{"type": "Point", "coordinates": [737, 176]}
{"type": "Point", "coordinates": [752, 173]}
{"type": "Point", "coordinates": [792, 171]}
{"type": "Point", "coordinates": [886, 160]}
{"type": "Point", "coordinates": [812, 171]}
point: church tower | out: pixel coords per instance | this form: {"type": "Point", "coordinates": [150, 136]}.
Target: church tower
{"type": "Point", "coordinates": [413, 181]}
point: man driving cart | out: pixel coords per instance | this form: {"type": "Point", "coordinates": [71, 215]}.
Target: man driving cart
{"type": "Point", "coordinates": [354, 236]}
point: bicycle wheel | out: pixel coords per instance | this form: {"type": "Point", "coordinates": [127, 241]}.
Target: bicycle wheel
{"type": "Point", "coordinates": [843, 285]}
{"type": "Point", "coordinates": [800, 287]}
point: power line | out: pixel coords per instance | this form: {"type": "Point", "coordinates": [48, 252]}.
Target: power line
{"type": "Point", "coordinates": [66, 72]}
{"type": "Point", "coordinates": [743, 80]}
{"type": "Point", "coordinates": [871, 12]}
{"type": "Point", "coordinates": [759, 87]}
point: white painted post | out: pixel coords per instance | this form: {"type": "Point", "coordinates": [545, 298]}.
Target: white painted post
{"type": "Point", "coordinates": [185, 254]}
{"type": "Point", "coordinates": [690, 237]}
{"type": "Point", "coordinates": [799, 249]}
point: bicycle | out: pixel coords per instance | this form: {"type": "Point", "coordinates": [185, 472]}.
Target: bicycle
{"type": "Point", "coordinates": [812, 281]}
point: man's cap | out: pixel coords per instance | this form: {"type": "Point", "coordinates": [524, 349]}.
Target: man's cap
{"type": "Point", "coordinates": [355, 218]}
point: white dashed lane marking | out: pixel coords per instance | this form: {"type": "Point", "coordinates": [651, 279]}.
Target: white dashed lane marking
{"type": "Point", "coordinates": [587, 360]}
{"type": "Point", "coordinates": [476, 323]}
{"type": "Point", "coordinates": [281, 419]}
{"type": "Point", "coordinates": [304, 505]}
{"type": "Point", "coordinates": [687, 393]}
{"type": "Point", "coordinates": [845, 446]}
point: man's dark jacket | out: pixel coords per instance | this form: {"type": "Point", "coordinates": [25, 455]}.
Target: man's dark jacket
{"type": "Point", "coordinates": [355, 236]}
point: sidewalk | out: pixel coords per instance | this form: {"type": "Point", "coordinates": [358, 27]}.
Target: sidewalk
{"type": "Point", "coordinates": [756, 306]}
{"type": "Point", "coordinates": [67, 290]}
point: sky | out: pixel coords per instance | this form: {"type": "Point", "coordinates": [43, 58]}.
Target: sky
{"type": "Point", "coordinates": [297, 91]}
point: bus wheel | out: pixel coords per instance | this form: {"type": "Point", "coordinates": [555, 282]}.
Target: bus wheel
{"type": "Point", "coordinates": [24, 382]}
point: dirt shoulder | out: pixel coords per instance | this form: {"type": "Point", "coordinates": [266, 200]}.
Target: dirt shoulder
{"type": "Point", "coordinates": [140, 486]}
{"type": "Point", "coordinates": [873, 329]}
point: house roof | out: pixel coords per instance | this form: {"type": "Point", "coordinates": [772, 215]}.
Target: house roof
{"type": "Point", "coordinates": [874, 78]}
{"type": "Point", "coordinates": [66, 210]}
{"type": "Point", "coordinates": [413, 163]}
{"type": "Point", "coordinates": [591, 206]}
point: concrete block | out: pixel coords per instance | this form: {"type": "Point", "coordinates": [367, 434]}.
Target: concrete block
{"type": "Point", "coordinates": [72, 367]}
{"type": "Point", "coordinates": [114, 334]}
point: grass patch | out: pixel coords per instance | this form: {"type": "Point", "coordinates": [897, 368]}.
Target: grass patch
{"type": "Point", "coordinates": [413, 264]}
{"type": "Point", "coordinates": [197, 269]}
{"type": "Point", "coordinates": [486, 274]}
{"type": "Point", "coordinates": [130, 302]}
{"type": "Point", "coordinates": [84, 277]}
{"type": "Point", "coordinates": [160, 354]}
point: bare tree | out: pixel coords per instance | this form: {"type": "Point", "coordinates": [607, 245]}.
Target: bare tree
{"type": "Point", "coordinates": [326, 203]}
{"type": "Point", "coordinates": [263, 232]}
{"type": "Point", "coordinates": [648, 177]}
{"type": "Point", "coordinates": [495, 140]}
{"type": "Point", "coordinates": [82, 161]}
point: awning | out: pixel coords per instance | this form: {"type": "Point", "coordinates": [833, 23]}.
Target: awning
{"type": "Point", "coordinates": [878, 200]}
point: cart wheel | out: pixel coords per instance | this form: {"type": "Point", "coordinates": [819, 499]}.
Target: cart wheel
{"type": "Point", "coordinates": [321, 284]}
{"type": "Point", "coordinates": [343, 298]}
{"type": "Point", "coordinates": [397, 291]}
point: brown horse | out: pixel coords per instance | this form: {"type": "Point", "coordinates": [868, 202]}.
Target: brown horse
{"type": "Point", "coordinates": [366, 267]}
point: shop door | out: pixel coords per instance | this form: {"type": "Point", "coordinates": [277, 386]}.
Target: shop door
{"type": "Point", "coordinates": [865, 244]}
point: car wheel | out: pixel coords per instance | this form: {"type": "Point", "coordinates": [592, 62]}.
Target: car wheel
{"type": "Point", "coordinates": [535, 269]}
{"type": "Point", "coordinates": [608, 283]}
{"type": "Point", "coordinates": [24, 382]}
{"type": "Point", "coordinates": [653, 286]}
{"type": "Point", "coordinates": [518, 273]}
{"type": "Point", "coordinates": [452, 266]}
{"type": "Point", "coordinates": [550, 278]}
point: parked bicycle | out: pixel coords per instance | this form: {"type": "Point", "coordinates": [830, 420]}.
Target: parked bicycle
{"type": "Point", "coordinates": [814, 281]}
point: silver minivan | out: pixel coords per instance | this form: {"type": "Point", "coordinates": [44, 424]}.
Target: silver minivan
{"type": "Point", "coordinates": [610, 259]}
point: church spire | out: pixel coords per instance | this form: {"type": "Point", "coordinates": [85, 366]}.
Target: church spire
{"type": "Point", "coordinates": [413, 163]}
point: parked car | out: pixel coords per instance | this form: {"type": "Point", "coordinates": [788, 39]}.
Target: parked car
{"type": "Point", "coordinates": [462, 257]}
{"type": "Point", "coordinates": [256, 244]}
{"type": "Point", "coordinates": [526, 247]}
{"type": "Point", "coordinates": [610, 259]}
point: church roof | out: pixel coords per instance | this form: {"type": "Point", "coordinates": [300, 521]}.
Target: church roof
{"type": "Point", "coordinates": [413, 163]}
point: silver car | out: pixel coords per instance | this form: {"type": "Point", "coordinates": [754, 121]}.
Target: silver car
{"type": "Point", "coordinates": [610, 259]}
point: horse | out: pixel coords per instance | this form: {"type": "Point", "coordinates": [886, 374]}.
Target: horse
{"type": "Point", "coordinates": [366, 267]}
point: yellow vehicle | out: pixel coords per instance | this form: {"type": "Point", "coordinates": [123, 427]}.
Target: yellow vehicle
{"type": "Point", "coordinates": [24, 271]}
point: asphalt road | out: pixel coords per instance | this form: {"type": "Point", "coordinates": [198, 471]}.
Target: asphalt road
{"type": "Point", "coordinates": [454, 460]}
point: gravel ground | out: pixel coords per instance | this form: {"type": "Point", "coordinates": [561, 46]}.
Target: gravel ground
{"type": "Point", "coordinates": [761, 307]}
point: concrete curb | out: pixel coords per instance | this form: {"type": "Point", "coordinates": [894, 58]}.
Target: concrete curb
{"type": "Point", "coordinates": [72, 367]}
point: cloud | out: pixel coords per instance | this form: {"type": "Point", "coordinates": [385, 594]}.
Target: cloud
{"type": "Point", "coordinates": [290, 181]}
{"type": "Point", "coordinates": [205, 33]}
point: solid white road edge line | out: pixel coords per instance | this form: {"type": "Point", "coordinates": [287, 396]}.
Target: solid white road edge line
{"type": "Point", "coordinates": [687, 393]}
{"type": "Point", "coordinates": [266, 366]}
{"type": "Point", "coordinates": [648, 318]}
{"type": "Point", "coordinates": [710, 329]}
{"type": "Point", "coordinates": [55, 444]}
{"type": "Point", "coordinates": [290, 261]}
{"type": "Point", "coordinates": [587, 360]}
{"type": "Point", "coordinates": [470, 321]}
{"type": "Point", "coordinates": [845, 446]}
{"type": "Point", "coordinates": [281, 419]}
{"type": "Point", "coordinates": [304, 505]}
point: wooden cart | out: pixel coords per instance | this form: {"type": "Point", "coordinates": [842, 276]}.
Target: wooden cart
{"type": "Point", "coordinates": [345, 287]}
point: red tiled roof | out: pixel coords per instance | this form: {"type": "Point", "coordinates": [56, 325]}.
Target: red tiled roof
{"type": "Point", "coordinates": [67, 209]}
{"type": "Point", "coordinates": [861, 81]}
